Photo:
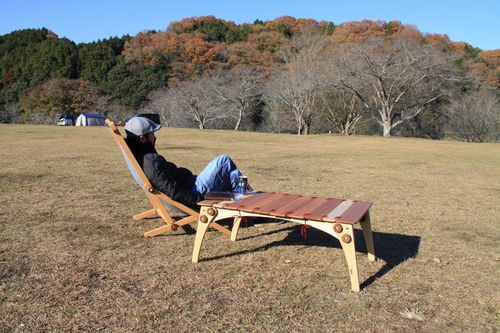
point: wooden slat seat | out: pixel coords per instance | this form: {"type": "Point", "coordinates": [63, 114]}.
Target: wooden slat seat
{"type": "Point", "coordinates": [322, 211]}
{"type": "Point", "coordinates": [250, 203]}
{"type": "Point", "coordinates": [336, 217]}
{"type": "Point", "coordinates": [299, 207]}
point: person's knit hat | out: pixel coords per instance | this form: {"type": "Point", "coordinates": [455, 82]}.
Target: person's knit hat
{"type": "Point", "coordinates": [141, 126]}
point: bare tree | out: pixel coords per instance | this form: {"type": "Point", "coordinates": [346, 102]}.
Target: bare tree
{"type": "Point", "coordinates": [239, 91]}
{"type": "Point", "coordinates": [297, 86]}
{"type": "Point", "coordinates": [197, 100]}
{"type": "Point", "coordinates": [340, 109]}
{"type": "Point", "coordinates": [102, 104]}
{"type": "Point", "coordinates": [159, 103]}
{"type": "Point", "coordinates": [277, 116]}
{"type": "Point", "coordinates": [305, 45]}
{"type": "Point", "coordinates": [395, 79]}
{"type": "Point", "coordinates": [475, 117]}
{"type": "Point", "coordinates": [118, 112]}
{"type": "Point", "coordinates": [298, 92]}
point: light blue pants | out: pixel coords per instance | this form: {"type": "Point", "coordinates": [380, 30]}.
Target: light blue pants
{"type": "Point", "coordinates": [220, 175]}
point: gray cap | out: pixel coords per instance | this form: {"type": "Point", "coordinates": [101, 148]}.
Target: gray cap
{"type": "Point", "coordinates": [141, 126]}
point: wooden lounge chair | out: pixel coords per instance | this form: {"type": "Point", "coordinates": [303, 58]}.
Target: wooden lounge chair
{"type": "Point", "coordinates": [336, 217]}
{"type": "Point", "coordinates": [163, 206]}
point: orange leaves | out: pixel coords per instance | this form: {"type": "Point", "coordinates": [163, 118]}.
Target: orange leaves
{"type": "Point", "coordinates": [266, 41]}
{"type": "Point", "coordinates": [52, 35]}
{"type": "Point", "coordinates": [196, 47]}
{"type": "Point", "coordinates": [185, 25]}
{"type": "Point", "coordinates": [202, 44]}
{"type": "Point", "coordinates": [481, 72]}
{"type": "Point", "coordinates": [492, 56]}
{"type": "Point", "coordinates": [358, 31]}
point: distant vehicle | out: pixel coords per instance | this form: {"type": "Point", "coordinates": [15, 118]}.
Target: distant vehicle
{"type": "Point", "coordinates": [64, 120]}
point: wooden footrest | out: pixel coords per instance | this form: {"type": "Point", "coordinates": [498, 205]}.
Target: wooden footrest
{"type": "Point", "coordinates": [336, 217]}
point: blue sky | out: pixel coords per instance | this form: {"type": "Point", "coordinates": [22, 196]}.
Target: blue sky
{"type": "Point", "coordinates": [476, 22]}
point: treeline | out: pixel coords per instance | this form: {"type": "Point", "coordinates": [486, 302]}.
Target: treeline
{"type": "Point", "coordinates": [284, 75]}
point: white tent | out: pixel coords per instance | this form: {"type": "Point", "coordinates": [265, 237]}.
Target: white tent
{"type": "Point", "coordinates": [90, 119]}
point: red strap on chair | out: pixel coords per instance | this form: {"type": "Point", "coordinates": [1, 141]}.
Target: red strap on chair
{"type": "Point", "coordinates": [303, 230]}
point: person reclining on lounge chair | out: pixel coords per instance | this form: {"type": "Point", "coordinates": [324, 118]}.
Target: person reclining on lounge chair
{"type": "Point", "coordinates": [180, 184]}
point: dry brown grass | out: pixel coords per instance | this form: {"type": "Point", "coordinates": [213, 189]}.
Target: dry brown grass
{"type": "Point", "coordinates": [72, 259]}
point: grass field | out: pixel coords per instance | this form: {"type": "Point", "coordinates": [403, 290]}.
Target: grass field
{"type": "Point", "coordinates": [72, 259]}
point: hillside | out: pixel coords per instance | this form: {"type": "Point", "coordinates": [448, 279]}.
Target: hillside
{"type": "Point", "coordinates": [42, 75]}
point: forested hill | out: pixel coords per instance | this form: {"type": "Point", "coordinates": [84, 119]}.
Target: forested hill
{"type": "Point", "coordinates": [121, 72]}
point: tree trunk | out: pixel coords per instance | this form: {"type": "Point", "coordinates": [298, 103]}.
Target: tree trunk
{"type": "Point", "coordinates": [238, 122]}
{"type": "Point", "coordinates": [387, 128]}
{"type": "Point", "coordinates": [300, 128]}
{"type": "Point", "coordinates": [305, 129]}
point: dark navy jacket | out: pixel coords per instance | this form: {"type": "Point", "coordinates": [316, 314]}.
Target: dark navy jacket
{"type": "Point", "coordinates": [176, 183]}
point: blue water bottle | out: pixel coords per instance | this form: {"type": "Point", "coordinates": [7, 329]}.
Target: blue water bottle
{"type": "Point", "coordinates": [242, 184]}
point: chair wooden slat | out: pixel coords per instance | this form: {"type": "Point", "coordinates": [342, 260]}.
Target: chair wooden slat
{"type": "Point", "coordinates": [355, 212]}
{"type": "Point", "coordinates": [279, 199]}
{"type": "Point", "coordinates": [290, 207]}
{"type": "Point", "coordinates": [339, 210]}
{"type": "Point", "coordinates": [248, 202]}
{"type": "Point", "coordinates": [322, 211]}
{"type": "Point", "coordinates": [305, 210]}
{"type": "Point", "coordinates": [256, 206]}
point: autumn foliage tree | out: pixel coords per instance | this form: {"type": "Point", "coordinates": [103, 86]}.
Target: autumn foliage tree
{"type": "Point", "coordinates": [55, 96]}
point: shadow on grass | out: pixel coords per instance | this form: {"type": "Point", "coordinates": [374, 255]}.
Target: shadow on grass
{"type": "Point", "coordinates": [393, 249]}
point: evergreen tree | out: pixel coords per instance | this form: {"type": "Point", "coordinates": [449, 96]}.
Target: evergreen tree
{"type": "Point", "coordinates": [130, 84]}
{"type": "Point", "coordinates": [30, 57]}
{"type": "Point", "coordinates": [98, 58]}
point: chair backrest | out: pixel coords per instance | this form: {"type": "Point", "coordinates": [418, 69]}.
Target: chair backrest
{"type": "Point", "coordinates": [135, 169]}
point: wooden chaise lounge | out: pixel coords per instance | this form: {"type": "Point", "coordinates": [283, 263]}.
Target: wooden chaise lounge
{"type": "Point", "coordinates": [336, 217]}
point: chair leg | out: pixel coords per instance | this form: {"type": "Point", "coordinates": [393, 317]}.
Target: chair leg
{"type": "Point", "coordinates": [186, 220]}
{"type": "Point", "coordinates": [168, 228]}
{"type": "Point", "coordinates": [201, 230]}
{"type": "Point", "coordinates": [348, 245]}
{"type": "Point", "coordinates": [368, 235]}
{"type": "Point", "coordinates": [148, 213]}
{"type": "Point", "coordinates": [235, 228]}
{"type": "Point", "coordinates": [161, 230]}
